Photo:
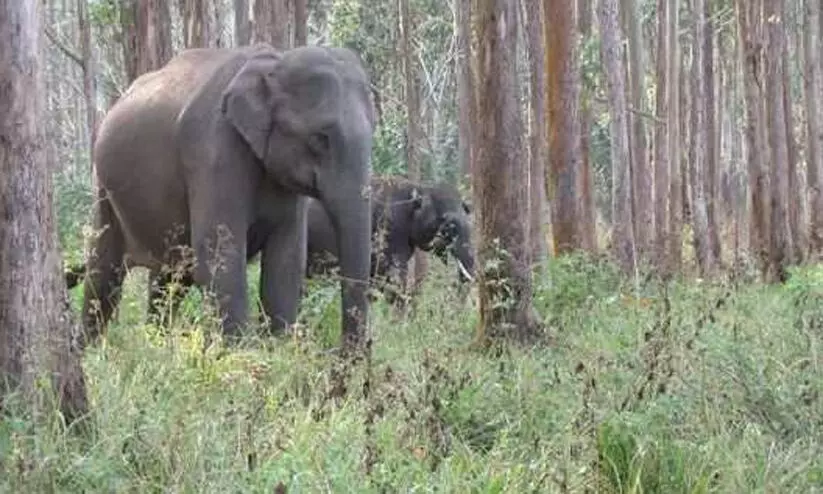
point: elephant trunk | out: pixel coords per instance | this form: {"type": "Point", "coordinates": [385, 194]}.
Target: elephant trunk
{"type": "Point", "coordinates": [350, 214]}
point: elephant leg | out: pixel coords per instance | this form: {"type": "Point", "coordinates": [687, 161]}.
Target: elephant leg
{"type": "Point", "coordinates": [283, 266]}
{"type": "Point", "coordinates": [159, 284]}
{"type": "Point", "coordinates": [219, 223]}
{"type": "Point", "coordinates": [397, 294]}
{"type": "Point", "coordinates": [105, 272]}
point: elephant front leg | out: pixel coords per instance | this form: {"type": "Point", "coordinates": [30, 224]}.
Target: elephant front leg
{"type": "Point", "coordinates": [283, 266]}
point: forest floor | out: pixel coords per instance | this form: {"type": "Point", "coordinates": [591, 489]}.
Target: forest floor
{"type": "Point", "coordinates": [698, 388]}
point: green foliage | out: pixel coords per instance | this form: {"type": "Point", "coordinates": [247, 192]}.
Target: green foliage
{"type": "Point", "coordinates": [104, 13]}
{"type": "Point", "coordinates": [73, 199]}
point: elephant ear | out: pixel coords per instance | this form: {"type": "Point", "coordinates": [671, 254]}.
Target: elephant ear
{"type": "Point", "coordinates": [247, 100]}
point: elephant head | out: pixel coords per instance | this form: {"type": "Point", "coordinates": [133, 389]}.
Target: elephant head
{"type": "Point", "coordinates": [441, 224]}
{"type": "Point", "coordinates": [307, 116]}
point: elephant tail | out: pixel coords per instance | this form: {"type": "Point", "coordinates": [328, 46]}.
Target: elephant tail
{"type": "Point", "coordinates": [74, 274]}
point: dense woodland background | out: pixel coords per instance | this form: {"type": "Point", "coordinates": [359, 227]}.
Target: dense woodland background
{"type": "Point", "coordinates": [642, 173]}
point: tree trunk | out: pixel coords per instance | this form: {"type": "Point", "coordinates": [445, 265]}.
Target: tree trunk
{"type": "Point", "coordinates": [795, 204]}
{"type": "Point", "coordinates": [661, 160]}
{"type": "Point", "coordinates": [271, 23]}
{"type": "Point", "coordinates": [702, 141]}
{"type": "Point", "coordinates": [465, 85]}
{"type": "Point", "coordinates": [751, 45]}
{"type": "Point", "coordinates": [505, 292]}
{"type": "Point", "coordinates": [781, 240]}
{"type": "Point", "coordinates": [673, 65]}
{"type": "Point", "coordinates": [641, 171]}
{"type": "Point", "coordinates": [563, 90]}
{"type": "Point", "coordinates": [196, 26]}
{"type": "Point", "coordinates": [711, 135]}
{"type": "Point", "coordinates": [814, 137]}
{"type": "Point", "coordinates": [414, 131]}
{"type": "Point", "coordinates": [242, 23]}
{"type": "Point", "coordinates": [301, 22]}
{"type": "Point", "coordinates": [532, 14]}
{"type": "Point", "coordinates": [147, 40]}
{"type": "Point", "coordinates": [622, 214]}
{"type": "Point", "coordinates": [89, 72]}
{"type": "Point", "coordinates": [586, 216]}
{"type": "Point", "coordinates": [38, 336]}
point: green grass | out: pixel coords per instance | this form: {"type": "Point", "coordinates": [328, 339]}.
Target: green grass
{"type": "Point", "coordinates": [721, 392]}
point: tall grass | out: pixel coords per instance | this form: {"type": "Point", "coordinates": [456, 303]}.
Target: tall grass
{"type": "Point", "coordinates": [689, 389]}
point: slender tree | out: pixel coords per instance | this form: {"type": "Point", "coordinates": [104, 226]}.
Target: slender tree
{"type": "Point", "coordinates": [505, 292]}
{"type": "Point", "coordinates": [89, 73]}
{"type": "Point", "coordinates": [38, 336]}
{"type": "Point", "coordinates": [622, 215]}
{"type": "Point", "coordinates": [465, 85]}
{"type": "Point", "coordinates": [585, 207]}
{"type": "Point", "coordinates": [673, 122]}
{"type": "Point", "coordinates": [242, 24]}
{"type": "Point", "coordinates": [661, 160]}
{"type": "Point", "coordinates": [814, 137]}
{"type": "Point", "coordinates": [563, 89]}
{"type": "Point", "coordinates": [301, 22]}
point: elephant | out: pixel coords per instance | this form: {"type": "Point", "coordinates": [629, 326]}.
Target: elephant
{"type": "Point", "coordinates": [223, 147]}
{"type": "Point", "coordinates": [406, 216]}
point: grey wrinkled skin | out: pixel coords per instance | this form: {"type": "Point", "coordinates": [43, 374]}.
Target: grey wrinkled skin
{"type": "Point", "coordinates": [223, 147]}
{"type": "Point", "coordinates": [406, 216]}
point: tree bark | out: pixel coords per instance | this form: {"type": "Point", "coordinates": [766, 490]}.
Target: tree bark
{"type": "Point", "coordinates": [673, 121]}
{"type": "Point", "coordinates": [89, 72]}
{"type": "Point", "coordinates": [781, 239]}
{"type": "Point", "coordinates": [622, 215]}
{"type": "Point", "coordinates": [796, 207]}
{"type": "Point", "coordinates": [587, 226]}
{"type": "Point", "coordinates": [38, 337]}
{"type": "Point", "coordinates": [711, 164]}
{"type": "Point", "coordinates": [271, 23]}
{"type": "Point", "coordinates": [242, 23]}
{"type": "Point", "coordinates": [301, 19]}
{"type": "Point", "coordinates": [641, 171]}
{"type": "Point", "coordinates": [505, 292]}
{"type": "Point", "coordinates": [532, 14]}
{"type": "Point", "coordinates": [661, 159]}
{"type": "Point", "coordinates": [465, 86]}
{"type": "Point", "coordinates": [702, 141]}
{"type": "Point", "coordinates": [147, 40]}
{"type": "Point", "coordinates": [563, 92]}
{"type": "Point", "coordinates": [814, 137]}
{"type": "Point", "coordinates": [196, 25]}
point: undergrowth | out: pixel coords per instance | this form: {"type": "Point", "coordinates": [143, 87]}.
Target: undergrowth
{"type": "Point", "coordinates": [688, 388]}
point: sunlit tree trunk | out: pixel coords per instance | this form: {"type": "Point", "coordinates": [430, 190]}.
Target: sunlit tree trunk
{"type": "Point", "coordinates": [563, 89]}
{"type": "Point", "coordinates": [89, 73]}
{"type": "Point", "coordinates": [781, 239]}
{"type": "Point", "coordinates": [641, 171]}
{"type": "Point", "coordinates": [673, 122]}
{"type": "Point", "coordinates": [661, 159]}
{"type": "Point", "coordinates": [532, 14]}
{"type": "Point", "coordinates": [301, 19]}
{"type": "Point", "coordinates": [196, 25]}
{"type": "Point", "coordinates": [711, 166]}
{"type": "Point", "coordinates": [814, 137]}
{"type": "Point", "coordinates": [505, 292]}
{"type": "Point", "coordinates": [622, 215]}
{"type": "Point", "coordinates": [38, 336]}
{"type": "Point", "coordinates": [795, 203]}
{"type": "Point", "coordinates": [587, 226]}
{"type": "Point", "coordinates": [465, 85]}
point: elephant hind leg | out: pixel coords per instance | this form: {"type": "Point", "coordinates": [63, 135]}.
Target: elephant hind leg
{"type": "Point", "coordinates": [105, 272]}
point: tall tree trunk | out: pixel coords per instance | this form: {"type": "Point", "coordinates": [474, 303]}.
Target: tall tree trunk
{"type": "Point", "coordinates": [814, 136]}
{"type": "Point", "coordinates": [673, 121]}
{"type": "Point", "coordinates": [661, 160]}
{"type": "Point", "coordinates": [795, 205]}
{"type": "Point", "coordinates": [641, 171]}
{"type": "Point", "coordinates": [532, 15]}
{"type": "Point", "coordinates": [465, 85]}
{"type": "Point", "coordinates": [301, 22]}
{"type": "Point", "coordinates": [414, 130]}
{"type": "Point", "coordinates": [711, 167]}
{"type": "Point", "coordinates": [781, 239]}
{"type": "Point", "coordinates": [38, 336]}
{"type": "Point", "coordinates": [147, 40]}
{"type": "Point", "coordinates": [702, 141]}
{"type": "Point", "coordinates": [271, 23]}
{"type": "Point", "coordinates": [586, 216]}
{"type": "Point", "coordinates": [196, 26]}
{"type": "Point", "coordinates": [505, 292]}
{"type": "Point", "coordinates": [749, 32]}
{"type": "Point", "coordinates": [89, 73]}
{"type": "Point", "coordinates": [563, 90]}
{"type": "Point", "coordinates": [622, 214]}
{"type": "Point", "coordinates": [242, 23]}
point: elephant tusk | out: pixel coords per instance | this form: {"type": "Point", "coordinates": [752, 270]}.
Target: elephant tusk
{"type": "Point", "coordinates": [464, 271]}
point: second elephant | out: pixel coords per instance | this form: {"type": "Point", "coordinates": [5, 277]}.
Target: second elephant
{"type": "Point", "coordinates": [406, 216]}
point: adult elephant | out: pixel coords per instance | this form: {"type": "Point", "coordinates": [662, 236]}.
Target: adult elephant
{"type": "Point", "coordinates": [406, 216]}
{"type": "Point", "coordinates": [220, 146]}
